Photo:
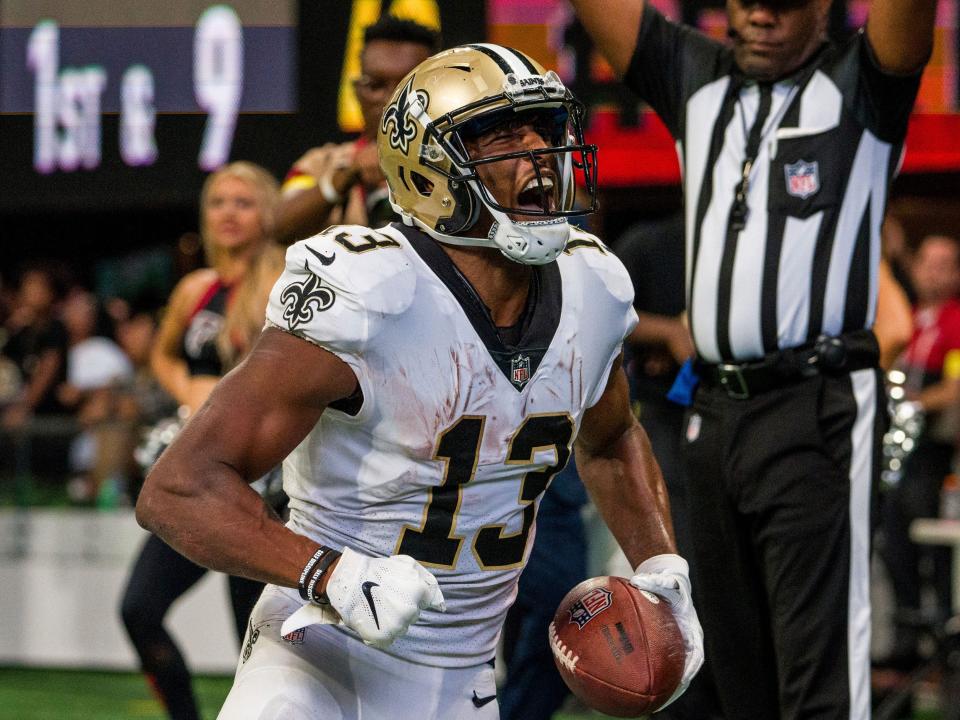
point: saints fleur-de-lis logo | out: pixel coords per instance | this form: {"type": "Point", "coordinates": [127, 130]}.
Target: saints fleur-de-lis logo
{"type": "Point", "coordinates": [398, 123]}
{"type": "Point", "coordinates": [301, 300]}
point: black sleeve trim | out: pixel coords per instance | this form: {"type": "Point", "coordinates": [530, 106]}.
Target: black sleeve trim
{"type": "Point", "coordinates": [884, 100]}
{"type": "Point", "coordinates": [670, 63]}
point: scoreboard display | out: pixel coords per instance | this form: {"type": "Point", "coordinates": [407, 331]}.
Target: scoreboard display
{"type": "Point", "coordinates": [109, 102]}
{"type": "Point", "coordinates": [133, 61]}
{"type": "Point", "coordinates": [126, 105]}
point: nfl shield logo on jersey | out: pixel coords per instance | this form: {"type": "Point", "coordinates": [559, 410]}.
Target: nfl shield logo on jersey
{"type": "Point", "coordinates": [589, 606]}
{"type": "Point", "coordinates": [296, 637]}
{"type": "Point", "coordinates": [803, 178]}
{"type": "Point", "coordinates": [520, 370]}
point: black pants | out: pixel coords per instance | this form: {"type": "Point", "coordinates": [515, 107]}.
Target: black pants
{"type": "Point", "coordinates": [781, 497]}
{"type": "Point", "coordinates": [159, 577]}
{"type": "Point", "coordinates": [663, 421]}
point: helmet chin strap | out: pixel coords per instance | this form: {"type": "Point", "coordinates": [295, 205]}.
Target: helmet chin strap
{"type": "Point", "coordinates": [529, 243]}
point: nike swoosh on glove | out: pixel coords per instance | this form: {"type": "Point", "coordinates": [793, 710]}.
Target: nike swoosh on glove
{"type": "Point", "coordinates": [668, 576]}
{"type": "Point", "coordinates": [376, 597]}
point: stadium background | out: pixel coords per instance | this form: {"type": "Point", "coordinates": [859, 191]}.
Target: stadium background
{"type": "Point", "coordinates": [111, 114]}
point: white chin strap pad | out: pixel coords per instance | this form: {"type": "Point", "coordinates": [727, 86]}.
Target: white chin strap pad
{"type": "Point", "coordinates": [537, 242]}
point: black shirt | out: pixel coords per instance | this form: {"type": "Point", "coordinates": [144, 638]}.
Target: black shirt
{"type": "Point", "coordinates": [27, 345]}
{"type": "Point", "coordinates": [798, 256]}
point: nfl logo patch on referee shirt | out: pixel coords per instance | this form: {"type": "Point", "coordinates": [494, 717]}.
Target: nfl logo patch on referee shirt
{"type": "Point", "coordinates": [803, 178]}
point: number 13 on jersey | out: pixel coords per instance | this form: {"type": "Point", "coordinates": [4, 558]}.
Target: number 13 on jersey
{"type": "Point", "coordinates": [435, 543]}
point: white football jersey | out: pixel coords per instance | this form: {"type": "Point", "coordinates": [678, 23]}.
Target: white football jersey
{"type": "Point", "coordinates": [457, 435]}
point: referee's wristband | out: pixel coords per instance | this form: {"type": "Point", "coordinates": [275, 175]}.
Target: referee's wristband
{"type": "Point", "coordinates": [313, 571]}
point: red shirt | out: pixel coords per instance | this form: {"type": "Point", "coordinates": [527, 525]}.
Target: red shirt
{"type": "Point", "coordinates": [936, 331]}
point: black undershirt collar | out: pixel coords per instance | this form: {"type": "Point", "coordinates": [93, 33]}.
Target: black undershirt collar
{"type": "Point", "coordinates": [519, 348]}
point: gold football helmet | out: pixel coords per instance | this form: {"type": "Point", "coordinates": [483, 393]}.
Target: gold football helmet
{"type": "Point", "coordinates": [458, 95]}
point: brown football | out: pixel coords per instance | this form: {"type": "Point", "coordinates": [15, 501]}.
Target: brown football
{"type": "Point", "coordinates": [618, 648]}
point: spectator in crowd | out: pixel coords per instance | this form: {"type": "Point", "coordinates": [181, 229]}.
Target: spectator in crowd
{"type": "Point", "coordinates": [96, 368]}
{"type": "Point", "coordinates": [931, 365]}
{"type": "Point", "coordinates": [143, 399]}
{"type": "Point", "coordinates": [37, 345]}
{"type": "Point", "coordinates": [142, 402]}
{"type": "Point", "coordinates": [213, 317]}
{"type": "Point", "coordinates": [342, 184]}
{"type": "Point", "coordinates": [35, 427]}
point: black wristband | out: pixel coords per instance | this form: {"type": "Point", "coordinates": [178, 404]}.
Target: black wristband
{"type": "Point", "coordinates": [313, 585]}
{"type": "Point", "coordinates": [308, 577]}
{"type": "Point", "coordinates": [313, 571]}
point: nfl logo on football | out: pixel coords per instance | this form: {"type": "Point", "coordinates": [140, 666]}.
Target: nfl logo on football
{"type": "Point", "coordinates": [520, 370]}
{"type": "Point", "coordinates": [803, 178]}
{"type": "Point", "coordinates": [590, 605]}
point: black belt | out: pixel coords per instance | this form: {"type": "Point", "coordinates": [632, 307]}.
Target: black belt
{"type": "Point", "coordinates": [826, 356]}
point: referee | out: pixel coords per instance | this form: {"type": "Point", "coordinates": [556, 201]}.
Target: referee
{"type": "Point", "coordinates": [788, 145]}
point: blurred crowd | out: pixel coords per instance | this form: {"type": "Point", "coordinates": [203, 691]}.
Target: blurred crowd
{"type": "Point", "coordinates": [76, 387]}
{"type": "Point", "coordinates": [94, 385]}
{"type": "Point", "coordinates": [921, 449]}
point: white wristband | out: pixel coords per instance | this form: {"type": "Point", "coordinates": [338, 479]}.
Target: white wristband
{"type": "Point", "coordinates": [328, 191]}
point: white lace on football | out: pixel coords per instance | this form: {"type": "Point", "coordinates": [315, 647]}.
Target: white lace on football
{"type": "Point", "coordinates": [561, 652]}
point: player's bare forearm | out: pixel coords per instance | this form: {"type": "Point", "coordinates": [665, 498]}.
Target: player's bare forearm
{"type": "Point", "coordinates": [617, 466]}
{"type": "Point", "coordinates": [626, 486]}
{"type": "Point", "coordinates": [197, 496]}
{"type": "Point", "coordinates": [208, 513]}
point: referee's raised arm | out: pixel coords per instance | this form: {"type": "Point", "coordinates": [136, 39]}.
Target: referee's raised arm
{"type": "Point", "coordinates": [614, 26]}
{"type": "Point", "coordinates": [900, 33]}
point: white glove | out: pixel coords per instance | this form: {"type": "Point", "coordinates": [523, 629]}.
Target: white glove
{"type": "Point", "coordinates": [669, 577]}
{"type": "Point", "coordinates": [376, 597]}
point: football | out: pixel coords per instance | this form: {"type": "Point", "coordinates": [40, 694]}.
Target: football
{"type": "Point", "coordinates": [618, 648]}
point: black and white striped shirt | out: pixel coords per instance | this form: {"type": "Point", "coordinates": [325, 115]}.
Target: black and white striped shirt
{"type": "Point", "coordinates": [803, 260]}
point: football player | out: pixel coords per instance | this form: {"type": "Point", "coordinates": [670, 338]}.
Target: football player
{"type": "Point", "coordinates": [424, 381]}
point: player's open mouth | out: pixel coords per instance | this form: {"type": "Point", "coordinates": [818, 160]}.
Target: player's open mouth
{"type": "Point", "coordinates": [537, 195]}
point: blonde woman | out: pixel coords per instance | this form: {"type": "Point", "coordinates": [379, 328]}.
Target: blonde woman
{"type": "Point", "coordinates": [212, 319]}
